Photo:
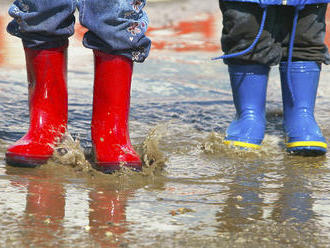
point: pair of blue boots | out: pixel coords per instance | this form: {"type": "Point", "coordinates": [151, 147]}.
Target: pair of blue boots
{"type": "Point", "coordinates": [249, 85]}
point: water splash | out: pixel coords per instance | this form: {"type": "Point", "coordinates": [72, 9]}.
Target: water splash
{"type": "Point", "coordinates": [153, 158]}
{"type": "Point", "coordinates": [71, 154]}
{"type": "Point", "coordinates": [272, 148]}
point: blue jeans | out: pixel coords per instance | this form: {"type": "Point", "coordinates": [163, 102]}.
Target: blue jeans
{"type": "Point", "coordinates": [114, 26]}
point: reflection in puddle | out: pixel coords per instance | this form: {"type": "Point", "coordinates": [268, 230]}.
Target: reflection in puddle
{"type": "Point", "coordinates": [50, 208]}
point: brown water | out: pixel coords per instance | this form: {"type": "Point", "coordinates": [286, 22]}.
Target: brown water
{"type": "Point", "coordinates": [193, 191]}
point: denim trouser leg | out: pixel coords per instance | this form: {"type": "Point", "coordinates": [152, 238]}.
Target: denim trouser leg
{"type": "Point", "coordinates": [42, 24]}
{"type": "Point", "coordinates": [116, 27]}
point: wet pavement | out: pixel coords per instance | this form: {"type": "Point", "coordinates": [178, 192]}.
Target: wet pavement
{"type": "Point", "coordinates": [193, 191]}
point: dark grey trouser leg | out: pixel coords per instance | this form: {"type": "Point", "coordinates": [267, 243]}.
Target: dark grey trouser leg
{"type": "Point", "coordinates": [310, 33]}
{"type": "Point", "coordinates": [241, 22]}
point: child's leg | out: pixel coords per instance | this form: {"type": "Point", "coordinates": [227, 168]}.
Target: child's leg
{"type": "Point", "coordinates": [249, 72]}
{"type": "Point", "coordinates": [44, 27]}
{"type": "Point", "coordinates": [117, 36]}
{"type": "Point", "coordinates": [303, 134]}
{"type": "Point", "coordinates": [241, 22]}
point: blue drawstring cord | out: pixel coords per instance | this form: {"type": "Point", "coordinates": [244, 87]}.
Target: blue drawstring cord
{"type": "Point", "coordinates": [291, 45]}
{"type": "Point", "coordinates": [262, 25]}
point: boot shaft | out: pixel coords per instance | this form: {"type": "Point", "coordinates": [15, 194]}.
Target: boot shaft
{"type": "Point", "coordinates": [47, 77]}
{"type": "Point", "coordinates": [249, 85]}
{"type": "Point", "coordinates": [305, 77]}
{"type": "Point", "coordinates": [111, 98]}
{"type": "Point", "coordinates": [112, 85]}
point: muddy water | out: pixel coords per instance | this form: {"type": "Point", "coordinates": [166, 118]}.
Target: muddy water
{"type": "Point", "coordinates": [193, 191]}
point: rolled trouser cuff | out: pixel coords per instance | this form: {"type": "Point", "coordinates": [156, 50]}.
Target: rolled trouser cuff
{"type": "Point", "coordinates": [42, 24]}
{"type": "Point", "coordinates": [118, 28]}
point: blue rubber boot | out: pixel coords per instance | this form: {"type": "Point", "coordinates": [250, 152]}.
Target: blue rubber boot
{"type": "Point", "coordinates": [303, 135]}
{"type": "Point", "coordinates": [249, 85]}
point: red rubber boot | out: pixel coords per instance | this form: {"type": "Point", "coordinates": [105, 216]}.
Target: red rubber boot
{"type": "Point", "coordinates": [111, 104]}
{"type": "Point", "coordinates": [48, 104]}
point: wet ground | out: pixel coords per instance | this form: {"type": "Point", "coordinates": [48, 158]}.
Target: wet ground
{"type": "Point", "coordinates": [193, 191]}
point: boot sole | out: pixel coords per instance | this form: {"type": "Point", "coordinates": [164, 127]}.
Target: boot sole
{"type": "Point", "coordinates": [307, 148]}
{"type": "Point", "coordinates": [112, 167]}
{"type": "Point", "coordinates": [241, 144]}
{"type": "Point", "coordinates": [24, 161]}
{"type": "Point", "coordinates": [307, 151]}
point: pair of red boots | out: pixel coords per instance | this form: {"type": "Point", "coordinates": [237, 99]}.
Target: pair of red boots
{"type": "Point", "coordinates": [48, 104]}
